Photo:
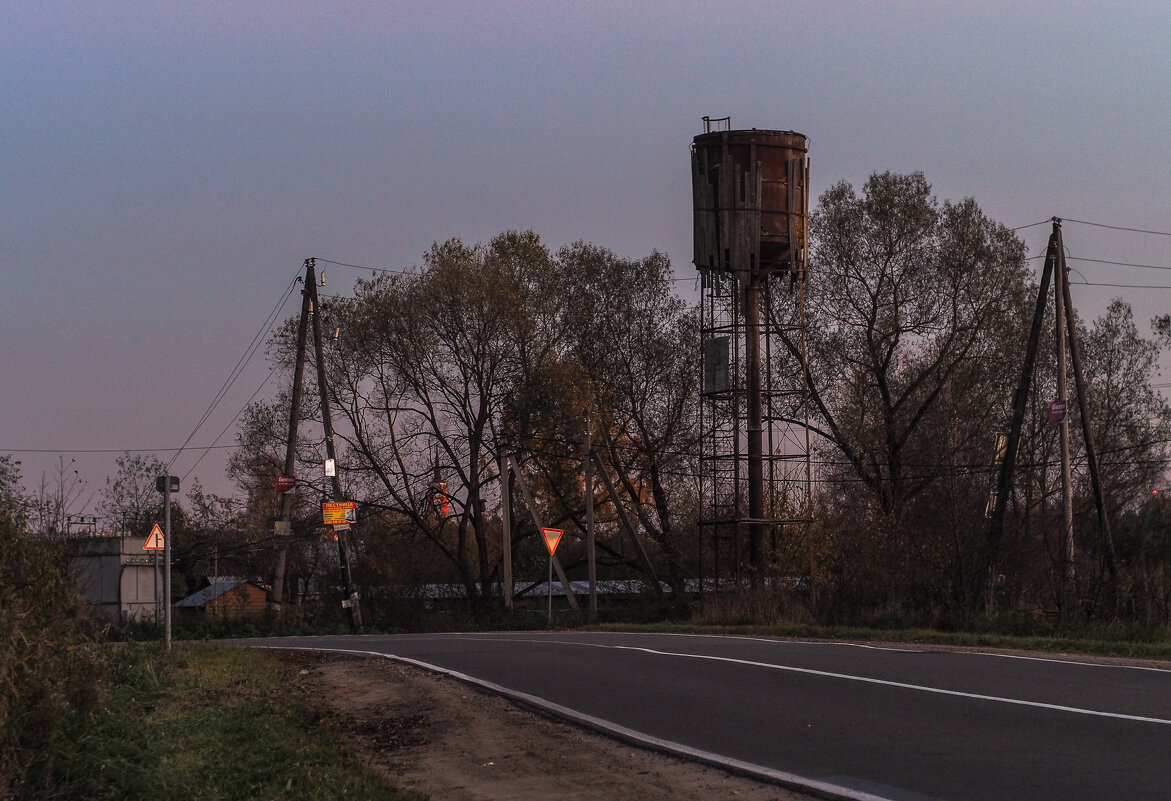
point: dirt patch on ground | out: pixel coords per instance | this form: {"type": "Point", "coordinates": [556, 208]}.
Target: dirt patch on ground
{"type": "Point", "coordinates": [433, 735]}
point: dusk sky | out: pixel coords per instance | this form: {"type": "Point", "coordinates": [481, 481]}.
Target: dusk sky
{"type": "Point", "coordinates": [167, 167]}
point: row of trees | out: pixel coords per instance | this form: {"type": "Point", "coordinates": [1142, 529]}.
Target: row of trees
{"type": "Point", "coordinates": [485, 352]}
{"type": "Point", "coordinates": [917, 318]}
{"type": "Point", "coordinates": [918, 312]}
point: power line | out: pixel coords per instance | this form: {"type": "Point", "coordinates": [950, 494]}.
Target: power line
{"type": "Point", "coordinates": [384, 270]}
{"type": "Point", "coordinates": [101, 450]}
{"type": "Point", "coordinates": [243, 361]}
{"type": "Point", "coordinates": [1117, 227]}
{"type": "Point", "coordinates": [1119, 286]}
{"type": "Point", "coordinates": [231, 422]}
{"type": "Point", "coordinates": [1119, 263]}
{"type": "Point", "coordinates": [1031, 225]}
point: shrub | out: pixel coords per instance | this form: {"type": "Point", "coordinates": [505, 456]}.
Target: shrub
{"type": "Point", "coordinates": [48, 674]}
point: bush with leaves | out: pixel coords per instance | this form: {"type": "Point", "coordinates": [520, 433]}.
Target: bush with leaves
{"type": "Point", "coordinates": [48, 677]}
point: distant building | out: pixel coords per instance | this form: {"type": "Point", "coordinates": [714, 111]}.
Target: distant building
{"type": "Point", "coordinates": [116, 577]}
{"type": "Point", "coordinates": [226, 598]}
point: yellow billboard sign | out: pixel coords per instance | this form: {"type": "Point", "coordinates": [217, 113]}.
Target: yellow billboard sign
{"type": "Point", "coordinates": [339, 513]}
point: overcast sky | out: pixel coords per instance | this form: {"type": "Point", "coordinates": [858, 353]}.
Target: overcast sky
{"type": "Point", "coordinates": [166, 167]}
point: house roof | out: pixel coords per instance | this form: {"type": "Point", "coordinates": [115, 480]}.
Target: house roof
{"type": "Point", "coordinates": [219, 586]}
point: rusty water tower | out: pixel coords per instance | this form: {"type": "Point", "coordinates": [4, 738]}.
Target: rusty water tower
{"type": "Point", "coordinates": [751, 197]}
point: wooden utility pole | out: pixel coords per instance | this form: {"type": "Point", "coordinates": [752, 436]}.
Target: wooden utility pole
{"type": "Point", "coordinates": [352, 600]}
{"type": "Point", "coordinates": [1075, 352]}
{"type": "Point", "coordinates": [1066, 538]}
{"type": "Point", "coordinates": [506, 526]}
{"type": "Point", "coordinates": [591, 551]}
{"type": "Point", "coordinates": [555, 563]}
{"type": "Point", "coordinates": [1067, 342]}
{"type": "Point", "coordinates": [628, 525]}
{"type": "Point", "coordinates": [278, 584]}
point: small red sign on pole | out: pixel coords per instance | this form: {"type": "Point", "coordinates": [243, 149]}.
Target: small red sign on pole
{"type": "Point", "coordinates": [552, 537]}
{"type": "Point", "coordinates": [285, 483]}
{"type": "Point", "coordinates": [1057, 412]}
{"type": "Point", "coordinates": [155, 541]}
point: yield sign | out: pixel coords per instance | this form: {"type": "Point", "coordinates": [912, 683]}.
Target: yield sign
{"type": "Point", "coordinates": [552, 537]}
{"type": "Point", "coordinates": [155, 541]}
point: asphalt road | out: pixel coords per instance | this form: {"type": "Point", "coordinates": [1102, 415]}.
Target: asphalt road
{"type": "Point", "coordinates": [854, 721]}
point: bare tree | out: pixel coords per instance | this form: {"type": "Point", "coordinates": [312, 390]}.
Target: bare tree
{"type": "Point", "coordinates": [907, 297]}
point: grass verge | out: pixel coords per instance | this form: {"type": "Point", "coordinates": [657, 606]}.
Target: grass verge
{"type": "Point", "coordinates": [207, 722]}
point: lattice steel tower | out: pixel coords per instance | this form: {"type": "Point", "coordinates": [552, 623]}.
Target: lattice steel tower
{"type": "Point", "coordinates": [751, 191]}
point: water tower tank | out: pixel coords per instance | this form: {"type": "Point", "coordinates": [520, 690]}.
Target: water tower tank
{"type": "Point", "coordinates": [750, 193]}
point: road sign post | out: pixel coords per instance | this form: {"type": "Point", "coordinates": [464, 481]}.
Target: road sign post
{"type": "Point", "coordinates": [552, 538]}
{"type": "Point", "coordinates": [167, 485]}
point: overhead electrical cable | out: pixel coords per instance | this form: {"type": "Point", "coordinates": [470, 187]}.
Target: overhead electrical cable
{"type": "Point", "coordinates": [1117, 227]}
{"type": "Point", "coordinates": [100, 450]}
{"type": "Point", "coordinates": [1119, 286]}
{"type": "Point", "coordinates": [231, 422]}
{"type": "Point", "coordinates": [1031, 225]}
{"type": "Point", "coordinates": [386, 270]}
{"type": "Point", "coordinates": [1118, 263]}
{"type": "Point", "coordinates": [241, 363]}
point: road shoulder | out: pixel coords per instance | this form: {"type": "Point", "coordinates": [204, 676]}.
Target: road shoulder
{"type": "Point", "coordinates": [436, 736]}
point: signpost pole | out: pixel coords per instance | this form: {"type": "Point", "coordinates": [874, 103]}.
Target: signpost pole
{"type": "Point", "coordinates": [167, 560]}
{"type": "Point", "coordinates": [552, 537]}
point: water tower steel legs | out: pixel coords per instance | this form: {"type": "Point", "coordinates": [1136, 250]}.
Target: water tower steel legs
{"type": "Point", "coordinates": [755, 427]}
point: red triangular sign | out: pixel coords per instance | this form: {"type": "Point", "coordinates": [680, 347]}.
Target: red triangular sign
{"type": "Point", "coordinates": [552, 537]}
{"type": "Point", "coordinates": [155, 541]}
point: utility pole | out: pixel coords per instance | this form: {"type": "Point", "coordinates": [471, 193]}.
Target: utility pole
{"type": "Point", "coordinates": [1067, 568]}
{"type": "Point", "coordinates": [352, 599]}
{"type": "Point", "coordinates": [1067, 342]}
{"type": "Point", "coordinates": [506, 526]}
{"type": "Point", "coordinates": [1075, 351]}
{"type": "Point", "coordinates": [591, 551]}
{"type": "Point", "coordinates": [555, 563]}
{"type": "Point", "coordinates": [1020, 402]}
{"type": "Point", "coordinates": [284, 529]}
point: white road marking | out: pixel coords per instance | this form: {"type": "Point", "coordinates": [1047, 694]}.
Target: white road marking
{"type": "Point", "coordinates": [847, 677]}
{"type": "Point", "coordinates": [903, 685]}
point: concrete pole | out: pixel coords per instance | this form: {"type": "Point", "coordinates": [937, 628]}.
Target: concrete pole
{"type": "Point", "coordinates": [352, 597]}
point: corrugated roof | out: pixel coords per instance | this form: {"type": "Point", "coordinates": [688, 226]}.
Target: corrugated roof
{"type": "Point", "coordinates": [218, 587]}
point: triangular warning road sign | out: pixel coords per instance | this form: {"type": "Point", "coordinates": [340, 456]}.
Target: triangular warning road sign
{"type": "Point", "coordinates": [552, 537]}
{"type": "Point", "coordinates": [155, 541]}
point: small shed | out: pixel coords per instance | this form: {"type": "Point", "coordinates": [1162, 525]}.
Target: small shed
{"type": "Point", "coordinates": [226, 598]}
